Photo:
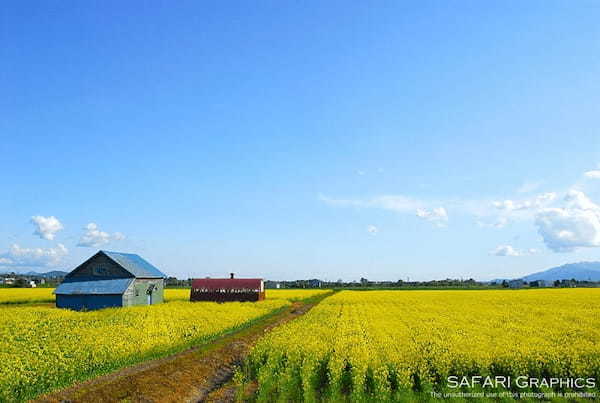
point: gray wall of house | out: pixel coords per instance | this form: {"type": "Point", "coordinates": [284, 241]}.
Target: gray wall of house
{"type": "Point", "coordinates": [137, 292]}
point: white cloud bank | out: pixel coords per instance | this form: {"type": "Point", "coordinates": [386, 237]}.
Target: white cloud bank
{"type": "Point", "coordinates": [498, 214]}
{"type": "Point", "coordinates": [508, 250]}
{"type": "Point", "coordinates": [575, 225]}
{"type": "Point", "coordinates": [32, 257]}
{"type": "Point", "coordinates": [46, 227]}
{"type": "Point", "coordinates": [94, 237]}
{"type": "Point", "coordinates": [564, 225]}
{"type": "Point", "coordinates": [535, 203]}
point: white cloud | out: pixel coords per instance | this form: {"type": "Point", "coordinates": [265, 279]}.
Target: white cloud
{"type": "Point", "coordinates": [535, 203]}
{"type": "Point", "coordinates": [575, 225]}
{"type": "Point", "coordinates": [438, 215]}
{"type": "Point", "coordinates": [32, 257]}
{"type": "Point", "coordinates": [508, 250]}
{"type": "Point", "coordinates": [373, 230]}
{"type": "Point", "coordinates": [500, 213]}
{"type": "Point", "coordinates": [46, 227]}
{"type": "Point", "coordinates": [94, 237]}
{"type": "Point", "coordinates": [595, 174]}
{"type": "Point", "coordinates": [505, 250]}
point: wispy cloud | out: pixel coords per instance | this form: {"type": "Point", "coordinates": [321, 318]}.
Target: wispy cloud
{"type": "Point", "coordinates": [396, 203]}
{"type": "Point", "coordinates": [387, 202]}
{"type": "Point", "coordinates": [373, 230]}
{"type": "Point", "coordinates": [529, 187]}
{"type": "Point", "coordinates": [498, 222]}
{"type": "Point", "coordinates": [93, 237]}
{"type": "Point", "coordinates": [535, 203]}
{"type": "Point", "coordinates": [437, 216]}
{"type": "Point", "coordinates": [595, 174]}
{"type": "Point", "coordinates": [508, 250]}
{"type": "Point", "coordinates": [18, 257]}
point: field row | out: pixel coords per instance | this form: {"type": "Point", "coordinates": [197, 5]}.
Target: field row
{"type": "Point", "coordinates": [384, 345]}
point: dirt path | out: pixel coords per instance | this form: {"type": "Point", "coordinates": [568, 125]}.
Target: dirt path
{"type": "Point", "coordinates": [196, 375]}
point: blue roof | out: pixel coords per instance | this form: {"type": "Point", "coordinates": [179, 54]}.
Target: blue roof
{"type": "Point", "coordinates": [114, 286]}
{"type": "Point", "coordinates": [135, 265]}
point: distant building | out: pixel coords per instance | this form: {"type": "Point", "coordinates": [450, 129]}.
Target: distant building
{"type": "Point", "coordinates": [272, 284]}
{"type": "Point", "coordinates": [32, 284]}
{"type": "Point", "coordinates": [110, 279]}
{"type": "Point", "coordinates": [227, 289]}
{"type": "Point", "coordinates": [9, 280]}
{"type": "Point", "coordinates": [516, 283]}
{"type": "Point", "coordinates": [314, 283]}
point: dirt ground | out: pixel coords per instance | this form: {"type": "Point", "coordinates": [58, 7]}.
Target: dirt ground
{"type": "Point", "coordinates": [200, 374]}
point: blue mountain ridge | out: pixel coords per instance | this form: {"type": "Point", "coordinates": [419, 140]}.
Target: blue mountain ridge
{"type": "Point", "coordinates": [581, 271]}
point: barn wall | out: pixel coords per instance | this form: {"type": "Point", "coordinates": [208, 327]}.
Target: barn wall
{"type": "Point", "coordinates": [136, 292]}
{"type": "Point", "coordinates": [220, 296]}
{"type": "Point", "coordinates": [100, 266]}
{"type": "Point", "coordinates": [80, 302]}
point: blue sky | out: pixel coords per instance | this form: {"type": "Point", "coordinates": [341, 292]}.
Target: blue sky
{"type": "Point", "coordinates": [301, 139]}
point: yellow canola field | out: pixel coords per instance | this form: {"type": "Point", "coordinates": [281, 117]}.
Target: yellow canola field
{"type": "Point", "coordinates": [25, 295]}
{"type": "Point", "coordinates": [34, 295]}
{"type": "Point", "coordinates": [383, 345]}
{"type": "Point", "coordinates": [42, 348]}
{"type": "Point", "coordinates": [183, 294]}
{"type": "Point", "coordinates": [177, 294]}
{"type": "Point", "coordinates": [292, 294]}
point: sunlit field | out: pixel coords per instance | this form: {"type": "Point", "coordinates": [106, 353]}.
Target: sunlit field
{"type": "Point", "coordinates": [26, 295]}
{"type": "Point", "coordinates": [295, 294]}
{"type": "Point", "coordinates": [43, 348]}
{"type": "Point", "coordinates": [39, 295]}
{"type": "Point", "coordinates": [381, 345]}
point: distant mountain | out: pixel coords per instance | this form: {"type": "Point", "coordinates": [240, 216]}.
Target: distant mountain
{"type": "Point", "coordinates": [54, 273]}
{"type": "Point", "coordinates": [583, 271]}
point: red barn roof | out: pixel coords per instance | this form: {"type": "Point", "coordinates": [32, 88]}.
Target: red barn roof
{"type": "Point", "coordinates": [227, 283]}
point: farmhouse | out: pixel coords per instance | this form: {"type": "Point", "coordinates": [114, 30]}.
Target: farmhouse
{"type": "Point", "coordinates": [227, 289]}
{"type": "Point", "coordinates": [111, 279]}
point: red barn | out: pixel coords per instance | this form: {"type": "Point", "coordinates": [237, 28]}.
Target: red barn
{"type": "Point", "coordinates": [227, 289]}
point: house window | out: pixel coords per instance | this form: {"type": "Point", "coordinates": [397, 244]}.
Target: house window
{"type": "Point", "coordinates": [100, 271]}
